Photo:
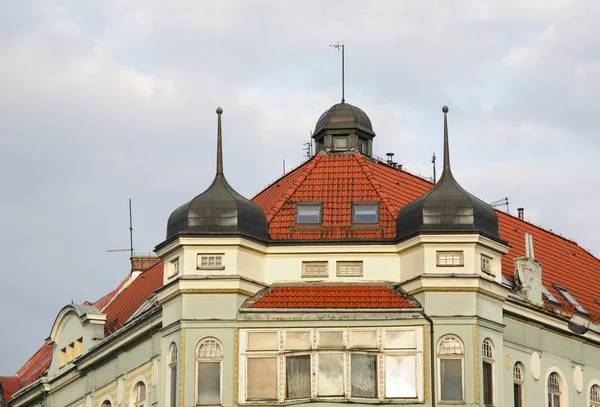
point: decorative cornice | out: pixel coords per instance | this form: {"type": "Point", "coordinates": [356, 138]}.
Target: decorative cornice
{"type": "Point", "coordinates": [207, 291]}
{"type": "Point", "coordinates": [458, 290]}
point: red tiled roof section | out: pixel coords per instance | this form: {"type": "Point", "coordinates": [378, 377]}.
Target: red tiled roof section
{"type": "Point", "coordinates": [332, 296]}
{"type": "Point", "coordinates": [131, 298]}
{"type": "Point", "coordinates": [10, 385]}
{"type": "Point", "coordinates": [337, 181]}
{"type": "Point", "coordinates": [563, 262]}
{"type": "Point", "coordinates": [35, 366]}
{"type": "Point", "coordinates": [104, 301]}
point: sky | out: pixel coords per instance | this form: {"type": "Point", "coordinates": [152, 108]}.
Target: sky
{"type": "Point", "coordinates": [106, 100]}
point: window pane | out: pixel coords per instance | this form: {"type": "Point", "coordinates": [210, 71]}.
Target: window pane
{"type": "Point", "coordinates": [298, 376]}
{"type": "Point", "coordinates": [331, 374]}
{"type": "Point", "coordinates": [340, 143]}
{"type": "Point", "coordinates": [365, 213]}
{"type": "Point", "coordinates": [209, 383]}
{"type": "Point", "coordinates": [308, 213]}
{"type": "Point", "coordinates": [488, 384]}
{"type": "Point", "coordinates": [331, 339]}
{"type": "Point", "coordinates": [263, 341]}
{"type": "Point", "coordinates": [399, 340]}
{"type": "Point", "coordinates": [297, 340]}
{"type": "Point", "coordinates": [173, 386]}
{"type": "Point", "coordinates": [400, 376]}
{"type": "Point", "coordinates": [261, 379]}
{"type": "Point", "coordinates": [451, 376]}
{"type": "Point", "coordinates": [518, 392]}
{"type": "Point", "coordinates": [364, 375]}
{"type": "Point", "coordinates": [364, 339]}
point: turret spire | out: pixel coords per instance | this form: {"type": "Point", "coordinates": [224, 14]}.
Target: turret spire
{"type": "Point", "coordinates": [446, 146]}
{"type": "Point", "coordinates": [219, 143]}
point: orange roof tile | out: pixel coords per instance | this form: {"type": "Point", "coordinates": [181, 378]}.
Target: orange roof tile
{"type": "Point", "coordinates": [35, 366]}
{"type": "Point", "coordinates": [332, 296]}
{"type": "Point", "coordinates": [9, 385]}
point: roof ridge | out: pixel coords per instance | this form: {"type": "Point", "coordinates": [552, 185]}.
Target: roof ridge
{"type": "Point", "coordinates": [310, 165]}
{"type": "Point", "coordinates": [384, 198]}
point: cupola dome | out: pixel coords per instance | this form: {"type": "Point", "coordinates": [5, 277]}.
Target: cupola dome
{"type": "Point", "coordinates": [447, 208]}
{"type": "Point", "coordinates": [344, 127]}
{"type": "Point", "coordinates": [219, 210]}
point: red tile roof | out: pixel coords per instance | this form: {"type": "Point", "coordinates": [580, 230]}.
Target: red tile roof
{"type": "Point", "coordinates": [337, 181]}
{"type": "Point", "coordinates": [332, 296]}
{"type": "Point", "coordinates": [35, 366]}
{"type": "Point", "coordinates": [9, 386]}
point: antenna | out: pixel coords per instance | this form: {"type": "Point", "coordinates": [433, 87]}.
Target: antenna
{"type": "Point", "coordinates": [501, 202]}
{"type": "Point", "coordinates": [307, 147]}
{"type": "Point", "coordinates": [284, 166]}
{"type": "Point", "coordinates": [130, 250]}
{"type": "Point", "coordinates": [433, 162]}
{"type": "Point", "coordinates": [340, 46]}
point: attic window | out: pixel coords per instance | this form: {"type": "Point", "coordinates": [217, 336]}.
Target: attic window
{"type": "Point", "coordinates": [210, 262]}
{"type": "Point", "coordinates": [62, 359]}
{"type": "Point", "coordinates": [340, 143]}
{"type": "Point", "coordinates": [174, 267]}
{"type": "Point", "coordinates": [78, 347]}
{"type": "Point", "coordinates": [365, 212]}
{"type": "Point", "coordinates": [361, 147]}
{"type": "Point", "coordinates": [349, 268]}
{"type": "Point", "coordinates": [309, 212]}
{"type": "Point", "coordinates": [314, 269]}
{"type": "Point", "coordinates": [486, 264]}
{"type": "Point", "coordinates": [450, 259]}
{"type": "Point", "coordinates": [567, 296]}
{"type": "Point", "coordinates": [550, 297]}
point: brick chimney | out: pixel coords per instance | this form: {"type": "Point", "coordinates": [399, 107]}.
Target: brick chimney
{"type": "Point", "coordinates": [140, 263]}
{"type": "Point", "coordinates": [521, 212]}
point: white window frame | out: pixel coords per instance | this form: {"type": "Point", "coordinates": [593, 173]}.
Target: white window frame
{"type": "Point", "coordinates": [174, 267]}
{"type": "Point", "coordinates": [356, 205]}
{"type": "Point", "coordinates": [173, 362]}
{"type": "Point", "coordinates": [487, 356]}
{"type": "Point", "coordinates": [308, 204]}
{"type": "Point", "coordinates": [519, 379]}
{"type": "Point", "coordinates": [486, 260]}
{"type": "Point", "coordinates": [342, 264]}
{"type": "Point", "coordinates": [311, 373]}
{"type": "Point", "coordinates": [218, 258]}
{"type": "Point", "coordinates": [459, 356]}
{"type": "Point", "coordinates": [440, 262]}
{"type": "Point", "coordinates": [594, 396]}
{"type": "Point", "coordinates": [346, 350]}
{"type": "Point", "coordinates": [560, 391]}
{"type": "Point", "coordinates": [208, 359]}
{"type": "Point", "coordinates": [307, 264]}
{"type": "Point", "coordinates": [135, 402]}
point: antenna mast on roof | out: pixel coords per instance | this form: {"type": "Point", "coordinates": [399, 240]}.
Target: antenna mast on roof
{"type": "Point", "coordinates": [501, 202]}
{"type": "Point", "coordinates": [433, 163]}
{"type": "Point", "coordinates": [130, 250]}
{"type": "Point", "coordinates": [340, 46]}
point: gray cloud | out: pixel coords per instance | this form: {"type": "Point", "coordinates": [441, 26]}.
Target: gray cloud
{"type": "Point", "coordinates": [115, 99]}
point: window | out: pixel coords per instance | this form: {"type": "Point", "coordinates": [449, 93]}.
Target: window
{"type": "Point", "coordinates": [78, 346]}
{"type": "Point", "coordinates": [106, 403]}
{"type": "Point", "coordinates": [139, 395]}
{"type": "Point", "coordinates": [567, 296]}
{"type": "Point", "coordinates": [486, 264]}
{"type": "Point", "coordinates": [550, 297]}
{"type": "Point", "coordinates": [518, 384]}
{"type": "Point", "coordinates": [210, 261]}
{"type": "Point", "coordinates": [487, 353]}
{"type": "Point", "coordinates": [365, 213]}
{"type": "Point", "coordinates": [173, 375]}
{"type": "Point", "coordinates": [361, 147]}
{"type": "Point", "coordinates": [349, 268]}
{"type": "Point", "coordinates": [554, 390]}
{"type": "Point", "coordinates": [70, 349]}
{"type": "Point", "coordinates": [209, 361]}
{"type": "Point", "coordinates": [595, 396]}
{"type": "Point", "coordinates": [308, 213]}
{"type": "Point", "coordinates": [340, 143]}
{"type": "Point", "coordinates": [314, 269]}
{"type": "Point", "coordinates": [450, 259]}
{"type": "Point", "coordinates": [62, 358]}
{"type": "Point", "coordinates": [174, 267]}
{"type": "Point", "coordinates": [450, 368]}
{"type": "Point", "coordinates": [323, 364]}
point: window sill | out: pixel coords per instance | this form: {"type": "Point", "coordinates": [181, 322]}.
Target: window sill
{"type": "Point", "coordinates": [452, 403]}
{"type": "Point", "coordinates": [210, 268]}
{"type": "Point", "coordinates": [334, 400]}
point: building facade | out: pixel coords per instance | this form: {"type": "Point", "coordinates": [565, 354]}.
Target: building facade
{"type": "Point", "coordinates": [347, 280]}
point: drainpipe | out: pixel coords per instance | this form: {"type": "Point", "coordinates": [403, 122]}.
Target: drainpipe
{"type": "Point", "coordinates": [431, 357]}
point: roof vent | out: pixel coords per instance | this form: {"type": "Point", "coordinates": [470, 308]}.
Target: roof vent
{"type": "Point", "coordinates": [521, 213]}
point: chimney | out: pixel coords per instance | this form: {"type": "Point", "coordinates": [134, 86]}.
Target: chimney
{"type": "Point", "coordinates": [521, 210]}
{"type": "Point", "coordinates": [139, 263]}
{"type": "Point", "coordinates": [390, 160]}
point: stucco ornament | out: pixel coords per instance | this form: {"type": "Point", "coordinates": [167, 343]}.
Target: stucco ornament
{"type": "Point", "coordinates": [507, 363]}
{"type": "Point", "coordinates": [578, 378]}
{"type": "Point", "coordinates": [535, 365]}
{"type": "Point", "coordinates": [120, 391]}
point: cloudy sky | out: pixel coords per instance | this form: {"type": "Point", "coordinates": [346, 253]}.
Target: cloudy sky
{"type": "Point", "coordinates": [102, 101]}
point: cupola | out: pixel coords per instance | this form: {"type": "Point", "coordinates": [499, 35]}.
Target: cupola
{"type": "Point", "coordinates": [344, 127]}
{"type": "Point", "coordinates": [447, 208]}
{"type": "Point", "coordinates": [219, 210]}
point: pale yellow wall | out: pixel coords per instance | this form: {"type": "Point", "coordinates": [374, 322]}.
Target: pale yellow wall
{"type": "Point", "coordinates": [131, 378]}
{"type": "Point", "coordinates": [107, 392]}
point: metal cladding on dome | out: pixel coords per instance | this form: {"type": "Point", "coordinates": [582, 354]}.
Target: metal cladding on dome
{"type": "Point", "coordinates": [219, 210]}
{"type": "Point", "coordinates": [447, 208]}
{"type": "Point", "coordinates": [344, 116]}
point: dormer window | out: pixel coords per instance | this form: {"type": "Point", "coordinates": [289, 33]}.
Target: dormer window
{"type": "Point", "coordinates": [365, 212]}
{"type": "Point", "coordinates": [309, 212]}
{"type": "Point", "coordinates": [486, 264]}
{"type": "Point", "coordinates": [174, 267]}
{"type": "Point", "coordinates": [341, 143]}
{"type": "Point", "coordinates": [567, 296]}
{"type": "Point", "coordinates": [362, 148]}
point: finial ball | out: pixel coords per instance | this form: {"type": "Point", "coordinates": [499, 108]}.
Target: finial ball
{"type": "Point", "coordinates": [445, 109]}
{"type": "Point", "coordinates": [219, 110]}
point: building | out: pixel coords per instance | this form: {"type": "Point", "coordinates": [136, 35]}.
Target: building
{"type": "Point", "coordinates": [346, 280]}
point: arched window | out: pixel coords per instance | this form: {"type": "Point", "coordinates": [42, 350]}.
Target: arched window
{"type": "Point", "coordinates": [450, 368]}
{"type": "Point", "coordinates": [487, 355]}
{"type": "Point", "coordinates": [518, 384]}
{"type": "Point", "coordinates": [209, 362]}
{"type": "Point", "coordinates": [554, 390]}
{"type": "Point", "coordinates": [139, 395]}
{"type": "Point", "coordinates": [173, 375]}
{"type": "Point", "coordinates": [595, 396]}
{"type": "Point", "coordinates": [106, 403]}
